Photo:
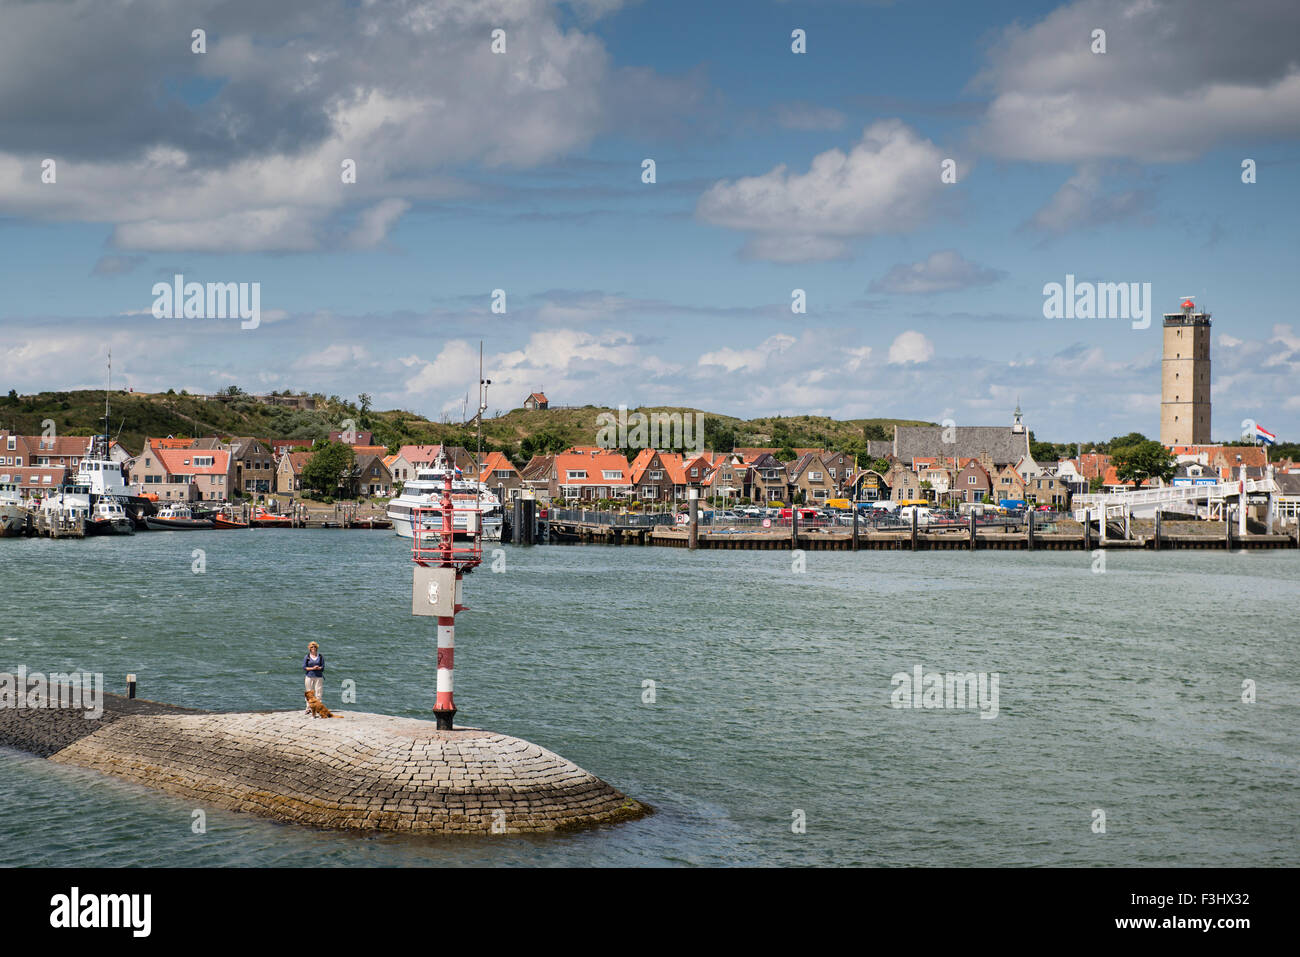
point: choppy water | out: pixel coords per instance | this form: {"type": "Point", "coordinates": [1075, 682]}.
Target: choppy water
{"type": "Point", "coordinates": [1118, 691]}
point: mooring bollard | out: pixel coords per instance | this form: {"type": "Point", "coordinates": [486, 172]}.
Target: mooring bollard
{"type": "Point", "coordinates": [694, 533]}
{"type": "Point", "coordinates": [130, 686]}
{"type": "Point", "coordinates": [914, 513]}
{"type": "Point", "coordinates": [1029, 531]}
{"type": "Point", "coordinates": [1157, 535]}
{"type": "Point", "coordinates": [856, 510]}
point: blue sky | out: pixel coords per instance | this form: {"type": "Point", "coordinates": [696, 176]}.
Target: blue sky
{"type": "Point", "coordinates": [775, 171]}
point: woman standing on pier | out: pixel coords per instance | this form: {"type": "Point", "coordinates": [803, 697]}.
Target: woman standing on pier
{"type": "Point", "coordinates": [313, 666]}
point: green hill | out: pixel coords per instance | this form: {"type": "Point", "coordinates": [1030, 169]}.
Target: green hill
{"type": "Point", "coordinates": [518, 433]}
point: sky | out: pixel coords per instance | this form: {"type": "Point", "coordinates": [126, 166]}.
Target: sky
{"type": "Point", "coordinates": [1113, 158]}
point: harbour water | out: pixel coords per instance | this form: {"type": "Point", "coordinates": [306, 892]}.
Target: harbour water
{"type": "Point", "coordinates": [1119, 692]}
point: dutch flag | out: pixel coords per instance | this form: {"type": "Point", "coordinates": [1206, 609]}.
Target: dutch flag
{"type": "Point", "coordinates": [1263, 435]}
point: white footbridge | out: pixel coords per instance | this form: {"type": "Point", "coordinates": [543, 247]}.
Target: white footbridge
{"type": "Point", "coordinates": [1216, 501]}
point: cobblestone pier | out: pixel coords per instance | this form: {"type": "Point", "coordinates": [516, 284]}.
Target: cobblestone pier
{"type": "Point", "coordinates": [358, 771]}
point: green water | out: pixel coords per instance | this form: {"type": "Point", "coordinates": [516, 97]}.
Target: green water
{"type": "Point", "coordinates": [1119, 692]}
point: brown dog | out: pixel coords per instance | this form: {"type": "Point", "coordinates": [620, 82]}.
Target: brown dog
{"type": "Point", "coordinates": [318, 709]}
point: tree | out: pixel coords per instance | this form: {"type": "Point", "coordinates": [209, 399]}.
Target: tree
{"type": "Point", "coordinates": [1142, 460]}
{"type": "Point", "coordinates": [876, 433]}
{"type": "Point", "coordinates": [718, 436]}
{"type": "Point", "coordinates": [364, 400]}
{"type": "Point", "coordinates": [329, 468]}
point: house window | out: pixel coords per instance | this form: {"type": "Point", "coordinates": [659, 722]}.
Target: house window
{"type": "Point", "coordinates": [611, 475]}
{"type": "Point", "coordinates": [200, 460]}
{"type": "Point", "coordinates": [814, 476]}
{"type": "Point", "coordinates": [970, 480]}
{"type": "Point", "coordinates": [577, 474]}
{"type": "Point", "coordinates": [655, 476]}
{"type": "Point", "coordinates": [695, 473]}
{"type": "Point", "coordinates": [505, 474]}
{"type": "Point", "coordinates": [13, 443]}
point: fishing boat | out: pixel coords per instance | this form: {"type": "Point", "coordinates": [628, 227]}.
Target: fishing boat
{"type": "Point", "coordinates": [175, 518]}
{"type": "Point", "coordinates": [263, 519]}
{"type": "Point", "coordinates": [108, 517]}
{"type": "Point", "coordinates": [13, 515]}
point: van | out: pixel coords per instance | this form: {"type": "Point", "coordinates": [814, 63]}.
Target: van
{"type": "Point", "coordinates": [920, 511]}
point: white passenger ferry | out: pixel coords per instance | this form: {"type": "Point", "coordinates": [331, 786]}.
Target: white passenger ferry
{"type": "Point", "coordinates": [425, 491]}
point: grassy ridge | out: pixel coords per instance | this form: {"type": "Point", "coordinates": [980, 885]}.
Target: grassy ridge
{"type": "Point", "coordinates": [136, 416]}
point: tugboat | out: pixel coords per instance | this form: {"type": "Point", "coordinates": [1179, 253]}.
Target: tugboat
{"type": "Point", "coordinates": [99, 473]}
{"type": "Point", "coordinates": [108, 517]}
{"type": "Point", "coordinates": [176, 517]}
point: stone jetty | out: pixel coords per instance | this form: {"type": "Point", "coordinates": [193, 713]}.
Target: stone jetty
{"type": "Point", "coordinates": [357, 771]}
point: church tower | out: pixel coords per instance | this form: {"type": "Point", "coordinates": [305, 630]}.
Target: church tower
{"type": "Point", "coordinates": [1185, 378]}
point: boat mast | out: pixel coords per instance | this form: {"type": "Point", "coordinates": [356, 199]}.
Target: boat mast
{"type": "Point", "coordinates": [482, 401]}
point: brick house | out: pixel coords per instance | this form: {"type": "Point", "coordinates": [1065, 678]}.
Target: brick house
{"type": "Point", "coordinates": [538, 476]}
{"type": "Point", "coordinates": [973, 482]}
{"type": "Point", "coordinates": [185, 474]}
{"type": "Point", "coordinates": [372, 476]}
{"type": "Point", "coordinates": [500, 476]}
{"type": "Point", "coordinates": [768, 479]}
{"type": "Point", "coordinates": [1047, 489]}
{"type": "Point", "coordinates": [536, 401]}
{"type": "Point", "coordinates": [589, 476]}
{"type": "Point", "coordinates": [809, 476]}
{"type": "Point", "coordinates": [288, 474]}
{"type": "Point", "coordinates": [654, 477]}
{"type": "Point", "coordinates": [411, 458]}
{"type": "Point", "coordinates": [1008, 485]}
{"type": "Point", "coordinates": [904, 484]}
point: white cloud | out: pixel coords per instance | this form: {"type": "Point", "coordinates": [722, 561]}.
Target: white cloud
{"type": "Point", "coordinates": [910, 346]}
{"type": "Point", "coordinates": [1176, 80]}
{"type": "Point", "coordinates": [408, 90]}
{"type": "Point", "coordinates": [943, 271]}
{"type": "Point", "coordinates": [887, 182]}
{"type": "Point", "coordinates": [748, 360]}
{"type": "Point", "coordinates": [1084, 201]}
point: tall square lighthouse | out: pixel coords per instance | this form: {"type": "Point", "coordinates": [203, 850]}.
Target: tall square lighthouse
{"type": "Point", "coordinates": [1185, 378]}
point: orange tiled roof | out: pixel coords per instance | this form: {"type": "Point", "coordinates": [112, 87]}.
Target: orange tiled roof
{"type": "Point", "coordinates": [593, 465]}
{"type": "Point", "coordinates": [175, 461]}
{"type": "Point", "coordinates": [494, 461]}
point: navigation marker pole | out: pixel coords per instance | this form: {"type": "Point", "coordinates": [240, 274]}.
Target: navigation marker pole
{"type": "Point", "coordinates": [438, 582]}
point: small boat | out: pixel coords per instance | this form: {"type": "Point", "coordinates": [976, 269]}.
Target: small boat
{"type": "Point", "coordinates": [229, 517]}
{"type": "Point", "coordinates": [13, 516]}
{"type": "Point", "coordinates": [264, 519]}
{"type": "Point", "coordinates": [109, 517]}
{"type": "Point", "coordinates": [176, 517]}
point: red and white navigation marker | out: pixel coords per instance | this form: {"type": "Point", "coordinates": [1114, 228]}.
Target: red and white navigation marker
{"type": "Point", "coordinates": [440, 564]}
